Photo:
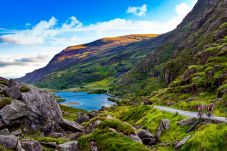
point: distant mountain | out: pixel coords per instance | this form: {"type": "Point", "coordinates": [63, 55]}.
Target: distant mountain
{"type": "Point", "coordinates": [95, 61]}
{"type": "Point", "coordinates": [199, 40]}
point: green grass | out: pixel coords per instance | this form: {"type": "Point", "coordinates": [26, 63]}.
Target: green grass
{"type": "Point", "coordinates": [70, 113]}
{"type": "Point", "coordinates": [5, 101]}
{"type": "Point", "coordinates": [118, 125]}
{"type": "Point", "coordinates": [208, 138]}
{"type": "Point", "coordinates": [50, 139]}
{"type": "Point", "coordinates": [110, 141]}
{"type": "Point", "coordinates": [24, 89]}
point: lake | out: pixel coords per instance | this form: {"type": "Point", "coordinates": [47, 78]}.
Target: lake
{"type": "Point", "coordinates": [84, 100]}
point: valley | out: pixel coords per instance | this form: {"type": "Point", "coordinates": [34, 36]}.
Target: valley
{"type": "Point", "coordinates": [139, 92]}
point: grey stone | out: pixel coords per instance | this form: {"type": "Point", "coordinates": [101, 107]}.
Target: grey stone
{"type": "Point", "coordinates": [93, 146]}
{"type": "Point", "coordinates": [56, 135]}
{"type": "Point", "coordinates": [182, 142]}
{"type": "Point", "coordinates": [49, 144]}
{"type": "Point", "coordinates": [15, 110]}
{"type": "Point", "coordinates": [71, 126]}
{"type": "Point", "coordinates": [10, 141]}
{"type": "Point", "coordinates": [83, 118]}
{"type": "Point", "coordinates": [135, 138]}
{"type": "Point", "coordinates": [187, 121]}
{"type": "Point", "coordinates": [4, 132]}
{"type": "Point", "coordinates": [164, 125]}
{"type": "Point", "coordinates": [68, 146]}
{"type": "Point", "coordinates": [13, 92]}
{"type": "Point", "coordinates": [92, 114]}
{"type": "Point", "coordinates": [31, 145]}
{"type": "Point", "coordinates": [145, 134]}
{"type": "Point", "coordinates": [75, 136]}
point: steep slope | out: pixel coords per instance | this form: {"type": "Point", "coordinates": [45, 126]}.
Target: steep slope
{"type": "Point", "coordinates": [74, 62]}
{"type": "Point", "coordinates": [202, 29]}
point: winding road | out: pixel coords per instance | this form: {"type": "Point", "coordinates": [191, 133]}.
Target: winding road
{"type": "Point", "coordinates": [189, 113]}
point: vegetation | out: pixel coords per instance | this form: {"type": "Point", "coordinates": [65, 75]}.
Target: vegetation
{"type": "Point", "coordinates": [5, 101]}
{"type": "Point", "coordinates": [110, 141]}
{"type": "Point", "coordinates": [70, 113]}
{"type": "Point", "coordinates": [24, 89]}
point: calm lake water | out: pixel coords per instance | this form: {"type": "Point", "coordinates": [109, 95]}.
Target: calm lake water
{"type": "Point", "coordinates": [86, 101]}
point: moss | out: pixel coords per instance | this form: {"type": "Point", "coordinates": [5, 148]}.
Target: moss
{"type": "Point", "coordinates": [3, 82]}
{"type": "Point", "coordinates": [50, 139]}
{"type": "Point", "coordinates": [70, 113]}
{"type": "Point", "coordinates": [118, 125]}
{"type": "Point", "coordinates": [24, 89]}
{"type": "Point", "coordinates": [110, 141]}
{"type": "Point", "coordinates": [4, 149]}
{"type": "Point", "coordinates": [223, 26]}
{"type": "Point", "coordinates": [5, 101]}
{"type": "Point", "coordinates": [209, 137]}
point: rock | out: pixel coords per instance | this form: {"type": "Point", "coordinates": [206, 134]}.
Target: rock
{"type": "Point", "coordinates": [182, 142]}
{"type": "Point", "coordinates": [149, 141]}
{"type": "Point", "coordinates": [135, 138]}
{"type": "Point", "coordinates": [145, 134]}
{"type": "Point", "coordinates": [31, 145]}
{"type": "Point", "coordinates": [50, 127]}
{"type": "Point", "coordinates": [15, 110]}
{"type": "Point", "coordinates": [10, 142]}
{"type": "Point", "coordinates": [93, 146]}
{"type": "Point", "coordinates": [92, 114]}
{"type": "Point", "coordinates": [13, 92]}
{"type": "Point", "coordinates": [17, 133]}
{"type": "Point", "coordinates": [75, 136]}
{"type": "Point", "coordinates": [56, 135]}
{"type": "Point", "coordinates": [71, 126]}
{"type": "Point", "coordinates": [109, 117]}
{"type": "Point", "coordinates": [68, 146]}
{"type": "Point", "coordinates": [92, 126]}
{"type": "Point", "coordinates": [164, 125]}
{"type": "Point", "coordinates": [49, 144]}
{"type": "Point", "coordinates": [42, 108]}
{"type": "Point", "coordinates": [82, 118]}
{"type": "Point", "coordinates": [187, 121]}
{"type": "Point", "coordinates": [4, 132]}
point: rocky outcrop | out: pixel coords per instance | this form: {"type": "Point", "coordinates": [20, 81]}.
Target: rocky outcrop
{"type": "Point", "coordinates": [10, 142]}
{"type": "Point", "coordinates": [72, 126]}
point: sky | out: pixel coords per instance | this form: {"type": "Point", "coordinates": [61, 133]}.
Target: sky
{"type": "Point", "coordinates": [32, 32]}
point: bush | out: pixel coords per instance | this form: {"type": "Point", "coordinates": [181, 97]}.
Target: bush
{"type": "Point", "coordinates": [24, 89]}
{"type": "Point", "coordinates": [5, 101]}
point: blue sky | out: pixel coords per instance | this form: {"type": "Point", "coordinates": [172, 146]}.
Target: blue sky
{"type": "Point", "coordinates": [31, 32]}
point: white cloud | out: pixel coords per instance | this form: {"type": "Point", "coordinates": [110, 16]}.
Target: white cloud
{"type": "Point", "coordinates": [138, 11]}
{"type": "Point", "coordinates": [47, 39]}
{"type": "Point", "coordinates": [71, 23]}
{"type": "Point", "coordinates": [183, 9]}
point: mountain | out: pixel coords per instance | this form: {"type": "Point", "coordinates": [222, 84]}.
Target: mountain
{"type": "Point", "coordinates": [99, 60]}
{"type": "Point", "coordinates": [199, 41]}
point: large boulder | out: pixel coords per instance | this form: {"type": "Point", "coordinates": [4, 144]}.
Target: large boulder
{"type": "Point", "coordinates": [13, 92]}
{"type": "Point", "coordinates": [71, 126]}
{"type": "Point", "coordinates": [31, 145]}
{"type": "Point", "coordinates": [42, 108]}
{"type": "Point", "coordinates": [68, 146]}
{"type": "Point", "coordinates": [14, 111]}
{"type": "Point", "coordinates": [10, 142]}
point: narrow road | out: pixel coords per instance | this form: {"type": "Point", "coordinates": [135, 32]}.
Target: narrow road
{"type": "Point", "coordinates": [189, 113]}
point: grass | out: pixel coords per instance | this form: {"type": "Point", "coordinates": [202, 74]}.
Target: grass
{"type": "Point", "coordinates": [208, 138]}
{"type": "Point", "coordinates": [3, 82]}
{"type": "Point", "coordinates": [50, 139]}
{"type": "Point", "coordinates": [118, 125]}
{"type": "Point", "coordinates": [24, 89]}
{"type": "Point", "coordinates": [5, 101]}
{"type": "Point", "coordinates": [70, 113]}
{"type": "Point", "coordinates": [110, 141]}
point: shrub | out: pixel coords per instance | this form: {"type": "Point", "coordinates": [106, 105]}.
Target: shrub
{"type": "Point", "coordinates": [24, 89]}
{"type": "Point", "coordinates": [5, 101]}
